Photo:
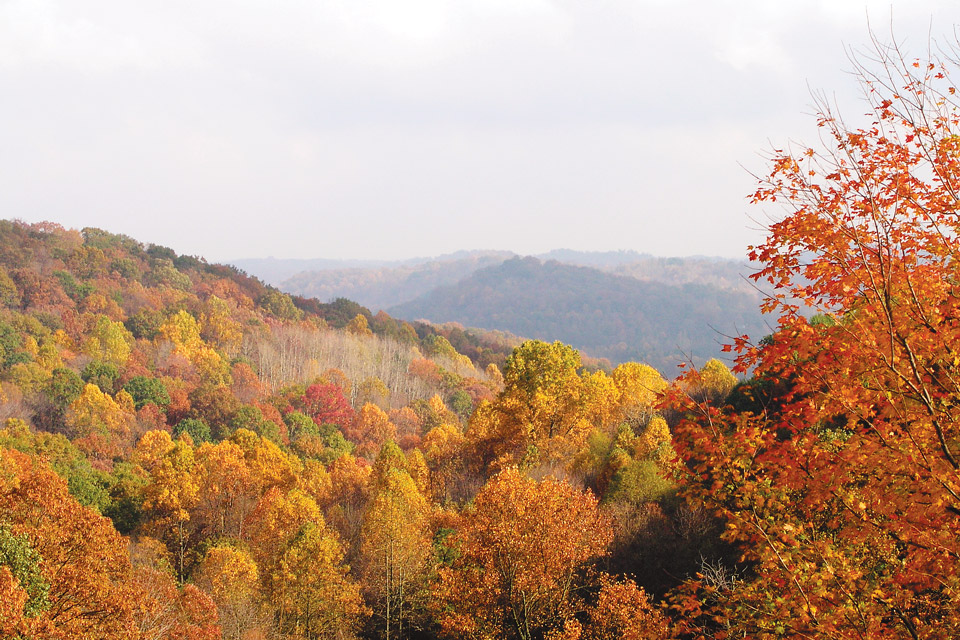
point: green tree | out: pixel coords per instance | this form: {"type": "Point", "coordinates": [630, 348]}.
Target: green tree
{"type": "Point", "coordinates": [24, 564]}
{"type": "Point", "coordinates": [102, 374]}
{"type": "Point", "coordinates": [59, 392]}
{"type": "Point", "coordinates": [280, 305]}
{"type": "Point", "coordinates": [146, 390]}
{"type": "Point", "coordinates": [198, 430]}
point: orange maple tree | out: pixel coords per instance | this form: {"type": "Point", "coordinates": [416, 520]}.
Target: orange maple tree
{"type": "Point", "coordinates": [842, 489]}
{"type": "Point", "coordinates": [81, 558]}
{"type": "Point", "coordinates": [520, 550]}
{"type": "Point", "coordinates": [621, 612]}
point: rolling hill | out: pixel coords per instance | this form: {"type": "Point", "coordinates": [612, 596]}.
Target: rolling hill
{"type": "Point", "coordinates": [607, 315]}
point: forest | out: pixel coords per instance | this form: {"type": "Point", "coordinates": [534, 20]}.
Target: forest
{"type": "Point", "coordinates": [186, 452]}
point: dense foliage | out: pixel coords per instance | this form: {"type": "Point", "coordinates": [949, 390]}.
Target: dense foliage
{"type": "Point", "coordinates": [188, 453]}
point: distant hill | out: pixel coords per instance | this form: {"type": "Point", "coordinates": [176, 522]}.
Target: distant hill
{"type": "Point", "coordinates": [388, 285]}
{"type": "Point", "coordinates": [618, 305]}
{"type": "Point", "coordinates": [382, 284]}
{"type": "Point", "coordinates": [717, 272]}
{"type": "Point", "coordinates": [608, 315]}
{"type": "Point", "coordinates": [275, 270]}
{"type": "Point", "coordinates": [598, 259]}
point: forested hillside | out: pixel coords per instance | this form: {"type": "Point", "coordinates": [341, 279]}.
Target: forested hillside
{"type": "Point", "coordinates": [188, 453]}
{"type": "Point", "coordinates": [607, 316]}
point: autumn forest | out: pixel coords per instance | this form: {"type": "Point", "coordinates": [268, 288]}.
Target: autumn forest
{"type": "Point", "coordinates": [186, 452]}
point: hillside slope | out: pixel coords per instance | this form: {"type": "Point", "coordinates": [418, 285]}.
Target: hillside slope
{"type": "Point", "coordinates": [609, 316]}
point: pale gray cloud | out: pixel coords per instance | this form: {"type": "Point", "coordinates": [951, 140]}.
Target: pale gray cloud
{"type": "Point", "coordinates": [388, 129]}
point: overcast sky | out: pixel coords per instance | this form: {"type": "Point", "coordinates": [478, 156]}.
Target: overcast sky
{"type": "Point", "coordinates": [401, 128]}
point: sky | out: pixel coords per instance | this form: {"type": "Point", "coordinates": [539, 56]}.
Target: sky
{"type": "Point", "coordinates": [388, 129]}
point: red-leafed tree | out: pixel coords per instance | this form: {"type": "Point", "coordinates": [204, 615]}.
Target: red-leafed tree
{"type": "Point", "coordinates": [326, 404]}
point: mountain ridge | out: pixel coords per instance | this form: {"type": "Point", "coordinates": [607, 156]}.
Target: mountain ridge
{"type": "Point", "coordinates": [605, 314]}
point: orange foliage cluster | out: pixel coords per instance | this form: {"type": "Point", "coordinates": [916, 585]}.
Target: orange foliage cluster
{"type": "Point", "coordinates": [837, 469]}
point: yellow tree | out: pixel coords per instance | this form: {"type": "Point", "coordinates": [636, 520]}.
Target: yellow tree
{"type": "Point", "coordinates": [233, 474]}
{"type": "Point", "coordinates": [639, 387]}
{"type": "Point", "coordinates": [173, 490]}
{"type": "Point", "coordinates": [712, 383]}
{"type": "Point", "coordinates": [97, 422]}
{"type": "Point", "coordinates": [315, 481]}
{"type": "Point", "coordinates": [317, 599]}
{"type": "Point", "coordinates": [371, 428]}
{"type": "Point", "coordinates": [597, 408]}
{"type": "Point", "coordinates": [276, 520]}
{"type": "Point", "coordinates": [269, 465]}
{"type": "Point", "coordinates": [440, 410]}
{"type": "Point", "coordinates": [443, 451]}
{"type": "Point", "coordinates": [226, 488]}
{"type": "Point", "coordinates": [229, 575]}
{"type": "Point", "coordinates": [494, 378]}
{"type": "Point", "coordinates": [419, 473]}
{"type": "Point", "coordinates": [395, 544]}
{"type": "Point", "coordinates": [655, 442]}
{"type": "Point", "coordinates": [546, 409]}
{"type": "Point", "coordinates": [109, 341]}
{"type": "Point", "coordinates": [183, 330]}
{"type": "Point", "coordinates": [359, 326]}
{"type": "Point", "coordinates": [350, 483]}
{"type": "Point", "coordinates": [621, 612]}
{"type": "Point", "coordinates": [218, 327]}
